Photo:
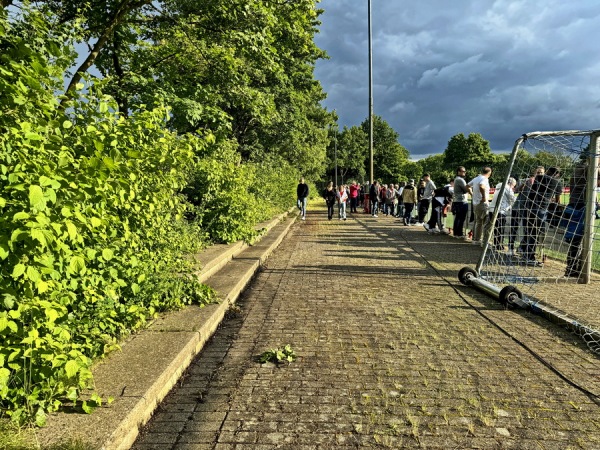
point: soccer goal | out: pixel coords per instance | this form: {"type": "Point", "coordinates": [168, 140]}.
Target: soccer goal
{"type": "Point", "coordinates": [541, 245]}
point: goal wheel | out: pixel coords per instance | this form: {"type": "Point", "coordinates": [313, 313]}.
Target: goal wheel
{"type": "Point", "coordinates": [509, 294]}
{"type": "Point", "coordinates": [465, 275]}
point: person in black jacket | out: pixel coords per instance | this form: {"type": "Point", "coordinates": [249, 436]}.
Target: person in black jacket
{"type": "Point", "coordinates": [440, 198]}
{"type": "Point", "coordinates": [329, 195]}
{"type": "Point", "coordinates": [374, 197]}
{"type": "Point", "coordinates": [544, 189]}
{"type": "Point", "coordinates": [302, 193]}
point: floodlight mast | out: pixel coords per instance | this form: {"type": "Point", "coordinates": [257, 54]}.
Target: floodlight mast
{"type": "Point", "coordinates": [335, 157]}
{"type": "Point", "coordinates": [371, 175]}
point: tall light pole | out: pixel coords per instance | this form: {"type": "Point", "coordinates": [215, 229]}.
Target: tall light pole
{"type": "Point", "coordinates": [335, 157]}
{"type": "Point", "coordinates": [371, 175]}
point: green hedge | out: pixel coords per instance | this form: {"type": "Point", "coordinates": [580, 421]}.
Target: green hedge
{"type": "Point", "coordinates": [93, 235]}
{"type": "Point", "coordinates": [232, 198]}
{"type": "Point", "coordinates": [99, 215]}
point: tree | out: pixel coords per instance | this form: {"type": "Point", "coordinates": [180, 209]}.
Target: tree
{"type": "Point", "coordinates": [93, 236]}
{"type": "Point", "coordinates": [411, 169]}
{"type": "Point", "coordinates": [388, 155]}
{"type": "Point", "coordinates": [436, 167]}
{"type": "Point", "coordinates": [471, 152]}
{"type": "Point", "coordinates": [245, 70]}
{"type": "Point", "coordinates": [239, 70]}
{"type": "Point", "coordinates": [348, 149]}
{"type": "Point", "coordinates": [102, 23]}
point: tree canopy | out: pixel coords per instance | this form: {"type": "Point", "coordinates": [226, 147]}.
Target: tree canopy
{"type": "Point", "coordinates": [203, 117]}
{"type": "Point", "coordinates": [472, 151]}
{"type": "Point", "coordinates": [390, 158]}
{"type": "Point", "coordinates": [389, 155]}
{"type": "Point", "coordinates": [239, 70]}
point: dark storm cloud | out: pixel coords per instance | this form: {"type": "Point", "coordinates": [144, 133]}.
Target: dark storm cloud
{"type": "Point", "coordinates": [498, 68]}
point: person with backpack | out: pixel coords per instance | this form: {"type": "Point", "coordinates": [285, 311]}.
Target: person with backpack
{"type": "Point", "coordinates": [439, 199]}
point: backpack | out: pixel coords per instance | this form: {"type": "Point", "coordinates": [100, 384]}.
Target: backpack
{"type": "Point", "coordinates": [443, 192]}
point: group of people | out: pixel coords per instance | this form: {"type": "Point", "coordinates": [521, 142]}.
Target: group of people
{"type": "Point", "coordinates": [524, 208]}
{"type": "Point", "coordinates": [401, 200]}
{"type": "Point", "coordinates": [341, 196]}
{"type": "Point", "coordinates": [333, 196]}
{"type": "Point", "coordinates": [525, 203]}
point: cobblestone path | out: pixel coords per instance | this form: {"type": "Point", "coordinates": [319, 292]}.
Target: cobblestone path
{"type": "Point", "coordinates": [392, 353]}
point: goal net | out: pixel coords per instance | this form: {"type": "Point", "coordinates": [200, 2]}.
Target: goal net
{"type": "Point", "coordinates": [542, 247]}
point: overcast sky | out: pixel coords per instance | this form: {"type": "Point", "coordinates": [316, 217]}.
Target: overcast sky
{"type": "Point", "coordinates": [500, 68]}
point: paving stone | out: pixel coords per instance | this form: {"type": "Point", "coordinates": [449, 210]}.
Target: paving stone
{"type": "Point", "coordinates": [392, 352]}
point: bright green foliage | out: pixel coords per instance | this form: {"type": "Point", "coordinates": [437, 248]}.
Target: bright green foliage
{"type": "Point", "coordinates": [92, 231]}
{"type": "Point", "coordinates": [237, 71]}
{"type": "Point", "coordinates": [390, 158]}
{"type": "Point", "coordinates": [275, 185]}
{"type": "Point", "coordinates": [240, 69]}
{"type": "Point", "coordinates": [434, 165]}
{"type": "Point", "coordinates": [221, 190]}
{"type": "Point", "coordinates": [349, 151]}
{"type": "Point", "coordinates": [278, 355]}
{"type": "Point", "coordinates": [411, 169]}
{"type": "Point", "coordinates": [231, 198]}
{"type": "Point", "coordinates": [473, 152]}
{"type": "Point", "coordinates": [213, 115]}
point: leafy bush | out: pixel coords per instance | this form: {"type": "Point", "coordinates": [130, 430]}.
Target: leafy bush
{"type": "Point", "coordinates": [92, 231]}
{"type": "Point", "coordinates": [231, 198]}
{"type": "Point", "coordinates": [225, 209]}
{"type": "Point", "coordinates": [97, 217]}
{"type": "Point", "coordinates": [275, 184]}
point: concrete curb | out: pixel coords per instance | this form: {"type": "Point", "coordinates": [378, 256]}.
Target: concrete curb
{"type": "Point", "coordinates": [215, 257]}
{"type": "Point", "coordinates": [152, 361]}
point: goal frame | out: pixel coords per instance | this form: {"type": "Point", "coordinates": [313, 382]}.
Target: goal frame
{"type": "Point", "coordinates": [590, 201]}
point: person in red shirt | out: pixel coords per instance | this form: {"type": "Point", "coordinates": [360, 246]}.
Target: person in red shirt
{"type": "Point", "coordinates": [381, 198]}
{"type": "Point", "coordinates": [353, 196]}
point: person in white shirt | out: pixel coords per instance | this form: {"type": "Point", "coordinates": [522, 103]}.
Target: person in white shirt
{"type": "Point", "coordinates": [508, 198]}
{"type": "Point", "coordinates": [460, 203]}
{"type": "Point", "coordinates": [426, 198]}
{"type": "Point", "coordinates": [342, 199]}
{"type": "Point", "coordinates": [480, 186]}
{"type": "Point", "coordinates": [399, 203]}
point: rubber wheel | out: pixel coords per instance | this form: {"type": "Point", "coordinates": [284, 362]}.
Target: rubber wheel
{"type": "Point", "coordinates": [507, 295]}
{"type": "Point", "coordinates": [465, 275]}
